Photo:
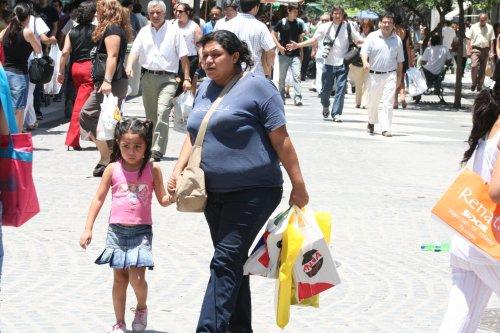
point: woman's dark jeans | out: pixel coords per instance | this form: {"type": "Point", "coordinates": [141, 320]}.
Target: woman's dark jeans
{"type": "Point", "coordinates": [235, 219]}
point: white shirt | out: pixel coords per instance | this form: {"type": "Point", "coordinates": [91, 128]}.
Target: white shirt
{"type": "Point", "coordinates": [188, 31]}
{"type": "Point", "coordinates": [223, 23]}
{"type": "Point", "coordinates": [384, 53]}
{"type": "Point", "coordinates": [254, 33]}
{"type": "Point", "coordinates": [448, 35]}
{"type": "Point", "coordinates": [436, 57]}
{"type": "Point", "coordinates": [480, 36]}
{"type": "Point", "coordinates": [341, 44]}
{"type": "Point", "coordinates": [40, 29]}
{"type": "Point", "coordinates": [160, 50]}
{"type": "Point", "coordinates": [485, 157]}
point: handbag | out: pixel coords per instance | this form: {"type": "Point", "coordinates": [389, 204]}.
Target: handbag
{"type": "Point", "coordinates": [99, 64]}
{"type": "Point", "coordinates": [17, 190]}
{"type": "Point", "coordinates": [352, 56]}
{"type": "Point", "coordinates": [41, 69]}
{"type": "Point", "coordinates": [190, 191]}
{"type": "Point", "coordinates": [467, 208]}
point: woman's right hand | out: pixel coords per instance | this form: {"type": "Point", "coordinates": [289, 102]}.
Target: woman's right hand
{"type": "Point", "coordinates": [60, 78]}
{"type": "Point", "coordinates": [85, 239]}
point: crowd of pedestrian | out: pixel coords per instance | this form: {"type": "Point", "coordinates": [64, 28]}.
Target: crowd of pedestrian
{"type": "Point", "coordinates": [227, 63]}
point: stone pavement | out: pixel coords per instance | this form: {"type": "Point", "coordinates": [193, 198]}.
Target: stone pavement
{"type": "Point", "coordinates": [379, 191]}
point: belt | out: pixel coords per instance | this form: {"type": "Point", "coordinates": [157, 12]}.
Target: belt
{"type": "Point", "coordinates": [376, 72]}
{"type": "Point", "coordinates": [157, 72]}
{"type": "Point", "coordinates": [480, 48]}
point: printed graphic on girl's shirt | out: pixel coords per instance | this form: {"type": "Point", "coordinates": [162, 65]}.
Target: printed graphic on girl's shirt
{"type": "Point", "coordinates": [131, 194]}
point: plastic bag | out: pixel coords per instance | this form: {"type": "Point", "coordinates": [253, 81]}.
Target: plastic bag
{"type": "Point", "coordinates": [314, 270]}
{"type": "Point", "coordinates": [417, 84]}
{"type": "Point", "coordinates": [264, 259]}
{"type": "Point", "coordinates": [183, 105]}
{"type": "Point", "coordinates": [53, 87]}
{"type": "Point", "coordinates": [109, 117]}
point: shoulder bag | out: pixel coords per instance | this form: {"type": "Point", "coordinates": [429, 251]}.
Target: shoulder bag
{"type": "Point", "coordinates": [98, 59]}
{"type": "Point", "coordinates": [41, 69]}
{"type": "Point", "coordinates": [352, 56]}
{"type": "Point", "coordinates": [190, 191]}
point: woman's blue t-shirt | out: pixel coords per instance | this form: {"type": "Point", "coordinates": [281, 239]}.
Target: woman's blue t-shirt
{"type": "Point", "coordinates": [237, 153]}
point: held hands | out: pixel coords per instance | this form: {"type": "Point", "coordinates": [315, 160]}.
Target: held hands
{"type": "Point", "coordinates": [85, 239]}
{"type": "Point", "coordinates": [366, 65]}
{"type": "Point", "coordinates": [292, 46]}
{"type": "Point", "coordinates": [172, 183]}
{"type": "Point", "coordinates": [105, 88]}
{"type": "Point", "coordinates": [299, 196]}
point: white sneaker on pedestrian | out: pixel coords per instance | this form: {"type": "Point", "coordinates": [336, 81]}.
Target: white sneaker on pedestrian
{"type": "Point", "coordinates": [119, 328]}
{"type": "Point", "coordinates": [140, 320]}
{"type": "Point", "coordinates": [336, 118]}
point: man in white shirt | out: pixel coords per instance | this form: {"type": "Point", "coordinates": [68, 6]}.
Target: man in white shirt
{"type": "Point", "coordinates": [448, 34]}
{"type": "Point", "coordinates": [335, 38]}
{"type": "Point", "coordinates": [158, 48]}
{"type": "Point", "coordinates": [255, 34]}
{"type": "Point", "coordinates": [434, 59]}
{"type": "Point", "coordinates": [384, 50]}
{"type": "Point", "coordinates": [480, 45]}
{"type": "Point", "coordinates": [317, 53]}
{"type": "Point", "coordinates": [229, 7]}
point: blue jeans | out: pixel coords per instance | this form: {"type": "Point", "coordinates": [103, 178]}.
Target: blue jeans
{"type": "Point", "coordinates": [285, 62]}
{"type": "Point", "coordinates": [331, 75]}
{"type": "Point", "coordinates": [234, 219]}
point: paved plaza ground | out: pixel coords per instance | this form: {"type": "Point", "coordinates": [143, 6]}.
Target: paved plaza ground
{"type": "Point", "coordinates": [379, 190]}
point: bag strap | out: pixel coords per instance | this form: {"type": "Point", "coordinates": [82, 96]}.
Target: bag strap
{"type": "Point", "coordinates": [336, 32]}
{"type": "Point", "coordinates": [195, 158]}
{"type": "Point", "coordinates": [6, 104]}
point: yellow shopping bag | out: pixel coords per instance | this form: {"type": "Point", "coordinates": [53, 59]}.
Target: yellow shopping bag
{"type": "Point", "coordinates": [291, 245]}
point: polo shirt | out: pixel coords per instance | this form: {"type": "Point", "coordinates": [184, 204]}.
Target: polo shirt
{"type": "Point", "coordinates": [480, 36]}
{"type": "Point", "coordinates": [384, 53]}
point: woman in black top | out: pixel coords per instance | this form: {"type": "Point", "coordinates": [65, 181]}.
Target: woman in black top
{"type": "Point", "coordinates": [111, 37]}
{"type": "Point", "coordinates": [18, 43]}
{"type": "Point", "coordinates": [77, 47]}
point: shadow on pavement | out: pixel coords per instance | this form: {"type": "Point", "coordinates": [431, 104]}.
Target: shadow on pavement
{"type": "Point", "coordinates": [491, 320]}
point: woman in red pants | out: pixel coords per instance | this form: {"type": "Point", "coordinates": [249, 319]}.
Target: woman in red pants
{"type": "Point", "coordinates": [77, 47]}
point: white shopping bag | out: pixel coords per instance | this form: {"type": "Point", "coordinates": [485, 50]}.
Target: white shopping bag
{"type": "Point", "coordinates": [264, 260]}
{"type": "Point", "coordinates": [183, 105]}
{"type": "Point", "coordinates": [109, 117]}
{"type": "Point", "coordinates": [53, 87]}
{"type": "Point", "coordinates": [314, 270]}
{"type": "Point", "coordinates": [417, 84]}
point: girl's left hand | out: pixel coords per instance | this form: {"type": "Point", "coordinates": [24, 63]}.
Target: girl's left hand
{"type": "Point", "coordinates": [105, 88]}
{"type": "Point", "coordinates": [299, 196]}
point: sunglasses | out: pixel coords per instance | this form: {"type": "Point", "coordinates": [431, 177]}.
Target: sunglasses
{"type": "Point", "coordinates": [323, 21]}
{"type": "Point", "coordinates": [179, 11]}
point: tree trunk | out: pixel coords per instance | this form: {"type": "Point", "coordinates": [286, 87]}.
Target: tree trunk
{"type": "Point", "coordinates": [461, 40]}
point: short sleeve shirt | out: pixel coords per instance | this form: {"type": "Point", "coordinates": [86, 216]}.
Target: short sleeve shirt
{"type": "Point", "coordinates": [290, 31]}
{"type": "Point", "coordinates": [237, 153]}
{"type": "Point", "coordinates": [384, 53]}
{"type": "Point", "coordinates": [436, 57]}
{"type": "Point", "coordinates": [480, 36]}
{"type": "Point", "coordinates": [110, 31]}
{"type": "Point", "coordinates": [48, 14]}
{"type": "Point", "coordinates": [341, 44]}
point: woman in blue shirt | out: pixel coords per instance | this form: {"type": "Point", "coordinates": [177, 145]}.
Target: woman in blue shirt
{"type": "Point", "coordinates": [245, 142]}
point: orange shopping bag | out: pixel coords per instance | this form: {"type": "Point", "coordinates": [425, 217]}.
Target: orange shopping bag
{"type": "Point", "coordinates": [467, 208]}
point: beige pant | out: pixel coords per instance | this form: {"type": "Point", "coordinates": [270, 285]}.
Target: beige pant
{"type": "Point", "coordinates": [381, 87]}
{"type": "Point", "coordinates": [157, 94]}
{"type": "Point", "coordinates": [479, 59]}
{"type": "Point", "coordinates": [358, 75]}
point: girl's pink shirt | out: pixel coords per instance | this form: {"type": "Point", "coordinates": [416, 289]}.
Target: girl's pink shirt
{"type": "Point", "coordinates": [131, 195]}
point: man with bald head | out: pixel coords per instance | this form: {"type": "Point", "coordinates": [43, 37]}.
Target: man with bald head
{"type": "Point", "coordinates": [480, 46]}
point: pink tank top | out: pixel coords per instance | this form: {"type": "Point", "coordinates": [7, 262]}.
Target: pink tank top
{"type": "Point", "coordinates": [131, 195]}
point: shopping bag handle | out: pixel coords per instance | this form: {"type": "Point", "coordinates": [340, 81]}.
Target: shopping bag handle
{"type": "Point", "coordinates": [6, 103]}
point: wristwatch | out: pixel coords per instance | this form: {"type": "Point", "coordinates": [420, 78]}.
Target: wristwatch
{"type": "Point", "coordinates": [107, 80]}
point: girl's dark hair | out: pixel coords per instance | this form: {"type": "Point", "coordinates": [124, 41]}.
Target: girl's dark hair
{"type": "Point", "coordinates": [20, 13]}
{"type": "Point", "coordinates": [187, 8]}
{"type": "Point", "coordinates": [86, 12]}
{"type": "Point", "coordinates": [232, 44]}
{"type": "Point", "coordinates": [485, 113]}
{"type": "Point", "coordinates": [135, 126]}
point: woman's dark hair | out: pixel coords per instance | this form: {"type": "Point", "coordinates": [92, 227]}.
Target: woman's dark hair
{"type": "Point", "coordinates": [135, 126]}
{"type": "Point", "coordinates": [485, 113]}
{"type": "Point", "coordinates": [21, 13]}
{"type": "Point", "coordinates": [232, 44]}
{"type": "Point", "coordinates": [436, 40]}
{"type": "Point", "coordinates": [187, 8]}
{"type": "Point", "coordinates": [86, 12]}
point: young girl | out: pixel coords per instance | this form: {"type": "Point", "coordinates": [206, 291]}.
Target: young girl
{"type": "Point", "coordinates": [475, 276]}
{"type": "Point", "coordinates": [132, 178]}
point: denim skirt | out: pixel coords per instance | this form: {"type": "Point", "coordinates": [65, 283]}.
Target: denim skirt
{"type": "Point", "coordinates": [128, 247]}
{"type": "Point", "coordinates": [18, 89]}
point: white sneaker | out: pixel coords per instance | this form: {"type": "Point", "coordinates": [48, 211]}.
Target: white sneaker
{"type": "Point", "coordinates": [140, 320]}
{"type": "Point", "coordinates": [337, 119]}
{"type": "Point", "coordinates": [119, 328]}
